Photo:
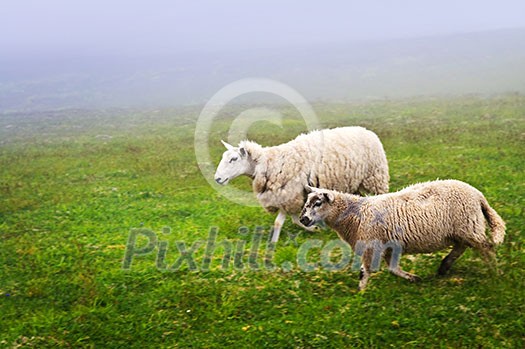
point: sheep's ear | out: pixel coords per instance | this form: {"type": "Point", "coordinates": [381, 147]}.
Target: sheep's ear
{"type": "Point", "coordinates": [228, 146]}
{"type": "Point", "coordinates": [243, 152]}
{"type": "Point", "coordinates": [308, 189]}
{"type": "Point", "coordinates": [329, 197]}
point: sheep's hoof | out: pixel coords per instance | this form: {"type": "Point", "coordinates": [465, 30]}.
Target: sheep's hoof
{"type": "Point", "coordinates": [444, 267]}
{"type": "Point", "coordinates": [414, 278]}
{"type": "Point", "coordinates": [442, 271]}
{"type": "Point", "coordinates": [361, 289]}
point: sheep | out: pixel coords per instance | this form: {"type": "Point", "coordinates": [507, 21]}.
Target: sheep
{"type": "Point", "coordinates": [349, 159]}
{"type": "Point", "coordinates": [422, 218]}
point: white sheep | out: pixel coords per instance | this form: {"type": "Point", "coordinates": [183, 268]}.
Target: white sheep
{"type": "Point", "coordinates": [421, 218]}
{"type": "Point", "coordinates": [349, 159]}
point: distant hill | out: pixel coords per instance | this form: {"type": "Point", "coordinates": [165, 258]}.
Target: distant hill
{"type": "Point", "coordinates": [482, 62]}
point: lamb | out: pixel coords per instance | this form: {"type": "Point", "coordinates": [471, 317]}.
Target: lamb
{"type": "Point", "coordinates": [349, 159]}
{"type": "Point", "coordinates": [422, 218]}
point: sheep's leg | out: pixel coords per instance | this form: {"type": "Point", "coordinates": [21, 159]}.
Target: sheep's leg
{"type": "Point", "coordinates": [364, 271]}
{"type": "Point", "coordinates": [295, 220]}
{"type": "Point", "coordinates": [405, 275]}
{"type": "Point", "coordinates": [396, 269]}
{"type": "Point", "coordinates": [277, 225]}
{"type": "Point", "coordinates": [447, 262]}
{"type": "Point", "coordinates": [364, 275]}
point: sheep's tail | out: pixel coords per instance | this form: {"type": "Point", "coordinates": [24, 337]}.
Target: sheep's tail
{"type": "Point", "coordinates": [496, 224]}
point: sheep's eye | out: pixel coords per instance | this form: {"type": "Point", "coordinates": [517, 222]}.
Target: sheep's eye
{"type": "Point", "coordinates": [318, 203]}
{"type": "Point", "coordinates": [233, 159]}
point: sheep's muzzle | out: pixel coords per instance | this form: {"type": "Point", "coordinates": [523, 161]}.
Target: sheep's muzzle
{"type": "Point", "coordinates": [306, 221]}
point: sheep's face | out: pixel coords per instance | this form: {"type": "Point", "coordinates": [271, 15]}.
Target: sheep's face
{"type": "Point", "coordinates": [316, 207]}
{"type": "Point", "coordinates": [235, 162]}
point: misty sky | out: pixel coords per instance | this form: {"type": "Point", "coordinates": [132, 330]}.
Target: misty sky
{"type": "Point", "coordinates": [175, 26]}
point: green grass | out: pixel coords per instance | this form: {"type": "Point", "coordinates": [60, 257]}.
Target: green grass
{"type": "Point", "coordinates": [69, 195]}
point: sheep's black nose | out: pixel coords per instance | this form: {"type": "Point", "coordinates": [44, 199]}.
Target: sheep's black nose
{"type": "Point", "coordinates": [218, 180]}
{"type": "Point", "coordinates": [305, 221]}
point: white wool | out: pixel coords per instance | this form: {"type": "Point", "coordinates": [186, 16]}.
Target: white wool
{"type": "Point", "coordinates": [347, 159]}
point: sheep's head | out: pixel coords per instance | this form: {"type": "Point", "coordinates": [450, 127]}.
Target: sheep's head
{"type": "Point", "coordinates": [235, 162]}
{"type": "Point", "coordinates": [317, 206]}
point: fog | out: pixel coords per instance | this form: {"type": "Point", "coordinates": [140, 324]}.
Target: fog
{"type": "Point", "coordinates": [60, 53]}
{"type": "Point", "coordinates": [175, 26]}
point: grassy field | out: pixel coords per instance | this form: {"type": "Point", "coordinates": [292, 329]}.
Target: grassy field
{"type": "Point", "coordinates": [73, 184]}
